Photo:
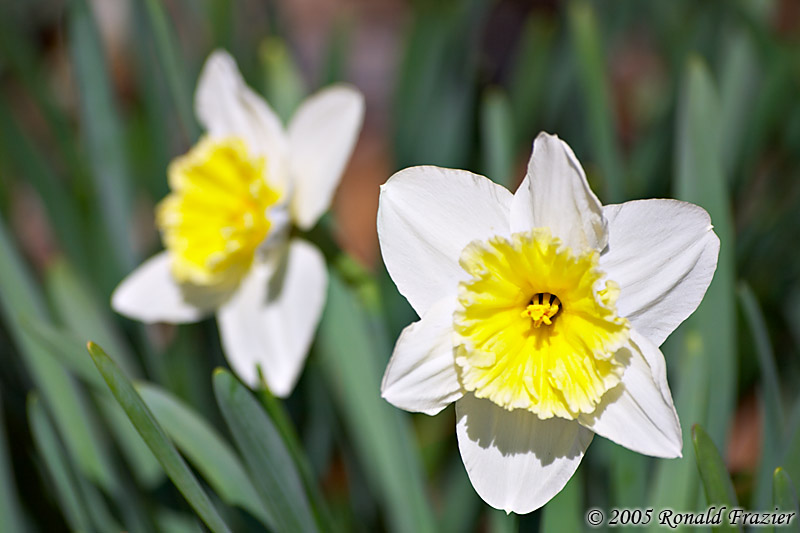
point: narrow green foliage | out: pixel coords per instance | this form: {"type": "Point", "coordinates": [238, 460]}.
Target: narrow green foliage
{"type": "Point", "coordinates": [78, 308]}
{"type": "Point", "coordinates": [497, 138]}
{"type": "Point", "coordinates": [784, 493]}
{"type": "Point", "coordinates": [716, 480]}
{"type": "Point", "coordinates": [103, 133]}
{"type": "Point", "coordinates": [588, 48]}
{"type": "Point", "coordinates": [205, 449]}
{"type": "Point", "coordinates": [566, 511]}
{"type": "Point", "coordinates": [501, 522]}
{"type": "Point", "coordinates": [380, 433]}
{"type": "Point", "coordinates": [156, 439]}
{"type": "Point", "coordinates": [770, 391]}
{"type": "Point", "coordinates": [271, 468]}
{"type": "Point", "coordinates": [21, 300]}
{"type": "Point", "coordinates": [675, 482]}
{"type": "Point", "coordinates": [66, 348]}
{"type": "Point", "coordinates": [10, 510]}
{"type": "Point", "coordinates": [171, 63]}
{"type": "Point", "coordinates": [283, 86]}
{"type": "Point", "coordinates": [47, 443]}
{"type": "Point", "coordinates": [699, 179]}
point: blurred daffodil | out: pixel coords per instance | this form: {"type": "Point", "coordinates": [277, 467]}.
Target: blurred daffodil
{"type": "Point", "coordinates": [541, 316]}
{"type": "Point", "coordinates": [226, 224]}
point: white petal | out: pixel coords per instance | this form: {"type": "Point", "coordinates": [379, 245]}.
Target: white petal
{"type": "Point", "coordinates": [322, 135]}
{"type": "Point", "coordinates": [421, 375]}
{"type": "Point", "coordinates": [516, 461]}
{"type": "Point", "coordinates": [426, 216]}
{"type": "Point", "coordinates": [663, 254]}
{"type": "Point", "coordinates": [271, 319]}
{"type": "Point", "coordinates": [226, 107]}
{"type": "Point", "coordinates": [150, 294]}
{"type": "Point", "coordinates": [555, 194]}
{"type": "Point", "coordinates": [639, 413]}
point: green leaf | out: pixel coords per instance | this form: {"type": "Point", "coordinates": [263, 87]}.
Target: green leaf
{"type": "Point", "coordinates": [205, 449]}
{"type": "Point", "coordinates": [502, 522]}
{"type": "Point", "coordinates": [66, 348]}
{"type": "Point", "coordinates": [587, 43]}
{"type": "Point", "coordinates": [20, 297]}
{"type": "Point", "coordinates": [142, 463]}
{"type": "Point", "coordinates": [271, 468]}
{"type": "Point", "coordinates": [348, 342]}
{"type": "Point", "coordinates": [716, 480]}
{"type": "Point", "coordinates": [103, 133]}
{"type": "Point", "coordinates": [784, 494]}
{"type": "Point", "coordinates": [700, 180]}
{"type": "Point", "coordinates": [77, 308]}
{"type": "Point", "coordinates": [770, 390]}
{"type": "Point", "coordinates": [526, 91]}
{"type": "Point", "coordinates": [434, 94]}
{"type": "Point", "coordinates": [156, 439]}
{"type": "Point", "coordinates": [740, 77]}
{"type": "Point", "coordinates": [31, 163]}
{"type": "Point", "coordinates": [10, 510]}
{"type": "Point", "coordinates": [284, 88]}
{"type": "Point", "coordinates": [497, 137]}
{"type": "Point", "coordinates": [70, 351]}
{"type": "Point", "coordinates": [675, 482]}
{"type": "Point", "coordinates": [461, 503]}
{"type": "Point", "coordinates": [66, 489]}
{"type": "Point", "coordinates": [565, 512]}
{"type": "Point", "coordinates": [168, 56]}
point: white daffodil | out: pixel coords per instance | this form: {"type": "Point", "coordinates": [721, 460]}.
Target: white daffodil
{"type": "Point", "coordinates": [541, 316]}
{"type": "Point", "coordinates": [226, 224]}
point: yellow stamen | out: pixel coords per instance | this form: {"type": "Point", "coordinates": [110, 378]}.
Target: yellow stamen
{"type": "Point", "coordinates": [536, 326]}
{"type": "Point", "coordinates": [543, 307]}
{"type": "Point", "coordinates": [216, 215]}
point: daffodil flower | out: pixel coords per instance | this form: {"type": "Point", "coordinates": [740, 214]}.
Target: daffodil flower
{"type": "Point", "coordinates": [541, 316]}
{"type": "Point", "coordinates": [226, 224]}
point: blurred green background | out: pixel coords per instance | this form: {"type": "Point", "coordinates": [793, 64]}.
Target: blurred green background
{"type": "Point", "coordinates": [684, 99]}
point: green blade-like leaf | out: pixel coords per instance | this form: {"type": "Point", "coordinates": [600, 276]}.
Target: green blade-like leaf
{"type": "Point", "coordinates": [381, 434]}
{"type": "Point", "coordinates": [64, 482]}
{"type": "Point", "coordinates": [103, 132]}
{"type": "Point", "coordinates": [700, 180]}
{"type": "Point", "coordinates": [31, 163]}
{"type": "Point", "coordinates": [770, 391]}
{"type": "Point", "coordinates": [502, 522]}
{"type": "Point", "coordinates": [67, 348]}
{"type": "Point", "coordinates": [283, 86]}
{"type": "Point", "coordinates": [143, 464]}
{"type": "Point", "coordinates": [588, 47]}
{"type": "Point", "coordinates": [271, 468]}
{"type": "Point", "coordinates": [10, 510]}
{"type": "Point", "coordinates": [205, 449]}
{"type": "Point", "coordinates": [156, 439]}
{"type": "Point", "coordinates": [168, 56]}
{"type": "Point", "coordinates": [20, 297]}
{"type": "Point", "coordinates": [565, 512]}
{"type": "Point", "coordinates": [716, 480]}
{"type": "Point", "coordinates": [78, 309]}
{"type": "Point", "coordinates": [740, 77]}
{"type": "Point", "coordinates": [497, 137]}
{"type": "Point", "coordinates": [70, 351]}
{"type": "Point", "coordinates": [675, 482]}
{"type": "Point", "coordinates": [784, 494]}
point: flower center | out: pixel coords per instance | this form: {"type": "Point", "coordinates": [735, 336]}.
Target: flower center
{"type": "Point", "coordinates": [543, 307]}
{"type": "Point", "coordinates": [536, 325]}
{"type": "Point", "coordinates": [216, 215]}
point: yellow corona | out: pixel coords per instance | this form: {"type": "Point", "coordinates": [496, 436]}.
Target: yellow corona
{"type": "Point", "coordinates": [536, 325]}
{"type": "Point", "coordinates": [217, 213]}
